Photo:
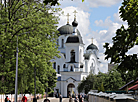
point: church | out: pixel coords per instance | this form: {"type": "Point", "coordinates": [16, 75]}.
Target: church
{"type": "Point", "coordinates": [75, 62]}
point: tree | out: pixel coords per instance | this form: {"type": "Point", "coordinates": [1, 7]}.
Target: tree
{"type": "Point", "coordinates": [113, 81]}
{"type": "Point", "coordinates": [102, 82]}
{"type": "Point", "coordinates": [87, 84]}
{"type": "Point", "coordinates": [35, 28]}
{"type": "Point", "coordinates": [125, 39]}
{"type": "Point", "coordinates": [128, 76]}
{"type": "Point", "coordinates": [53, 2]}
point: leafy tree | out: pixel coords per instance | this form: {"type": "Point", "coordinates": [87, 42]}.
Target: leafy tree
{"type": "Point", "coordinates": [113, 80]}
{"type": "Point", "coordinates": [35, 28]}
{"type": "Point", "coordinates": [101, 88]}
{"type": "Point", "coordinates": [87, 84]}
{"type": "Point", "coordinates": [128, 76]}
{"type": "Point", "coordinates": [102, 82]}
{"type": "Point", "coordinates": [53, 2]}
{"type": "Point", "coordinates": [125, 39]}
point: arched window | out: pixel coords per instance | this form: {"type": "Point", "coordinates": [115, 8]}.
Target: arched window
{"type": "Point", "coordinates": [58, 69]}
{"type": "Point", "coordinates": [72, 57]}
{"type": "Point", "coordinates": [81, 66]}
{"type": "Point", "coordinates": [62, 45]}
{"type": "Point", "coordinates": [54, 65]}
{"type": "Point", "coordinates": [64, 66]}
{"type": "Point", "coordinates": [71, 69]}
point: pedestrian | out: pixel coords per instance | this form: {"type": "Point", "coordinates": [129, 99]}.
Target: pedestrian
{"type": "Point", "coordinates": [80, 99]}
{"type": "Point", "coordinates": [76, 99]}
{"type": "Point", "coordinates": [60, 98]}
{"type": "Point", "coordinates": [24, 99]}
{"type": "Point", "coordinates": [70, 99]}
{"type": "Point", "coordinates": [6, 98]}
{"type": "Point", "coordinates": [79, 96]}
{"type": "Point", "coordinates": [69, 95]}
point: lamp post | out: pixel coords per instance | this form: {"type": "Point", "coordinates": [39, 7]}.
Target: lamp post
{"type": "Point", "coordinates": [16, 77]}
{"type": "Point", "coordinates": [34, 99]}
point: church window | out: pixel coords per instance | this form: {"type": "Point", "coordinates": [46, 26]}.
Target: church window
{"type": "Point", "coordinates": [81, 66]}
{"type": "Point", "coordinates": [64, 66]}
{"type": "Point", "coordinates": [72, 58]}
{"type": "Point", "coordinates": [71, 69]}
{"type": "Point", "coordinates": [54, 65]}
{"type": "Point", "coordinates": [58, 69]}
{"type": "Point", "coordinates": [62, 45]}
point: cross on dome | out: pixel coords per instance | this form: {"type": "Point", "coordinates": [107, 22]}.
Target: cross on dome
{"type": "Point", "coordinates": [67, 18]}
{"type": "Point", "coordinates": [92, 40]}
{"type": "Point", "coordinates": [75, 12]}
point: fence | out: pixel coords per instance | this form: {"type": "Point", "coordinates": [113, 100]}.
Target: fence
{"type": "Point", "coordinates": [19, 97]}
{"type": "Point", "coordinates": [104, 97]}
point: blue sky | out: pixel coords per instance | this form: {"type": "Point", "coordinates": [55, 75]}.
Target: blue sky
{"type": "Point", "coordinates": [98, 19]}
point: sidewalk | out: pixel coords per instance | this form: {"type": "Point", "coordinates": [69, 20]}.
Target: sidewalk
{"type": "Point", "coordinates": [42, 100]}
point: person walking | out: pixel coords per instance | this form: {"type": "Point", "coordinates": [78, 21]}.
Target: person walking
{"type": "Point", "coordinates": [24, 99]}
{"type": "Point", "coordinates": [79, 96]}
{"type": "Point", "coordinates": [76, 99]}
{"type": "Point", "coordinates": [80, 99]}
{"type": "Point", "coordinates": [8, 100]}
{"type": "Point", "coordinates": [70, 99]}
{"type": "Point", "coordinates": [60, 98]}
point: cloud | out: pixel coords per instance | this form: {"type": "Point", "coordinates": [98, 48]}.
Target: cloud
{"type": "Point", "coordinates": [104, 3]}
{"type": "Point", "coordinates": [87, 4]}
{"type": "Point", "coordinates": [104, 63]}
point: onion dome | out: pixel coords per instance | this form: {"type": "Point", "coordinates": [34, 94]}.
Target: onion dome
{"type": "Point", "coordinates": [92, 47]}
{"type": "Point", "coordinates": [67, 29]}
{"type": "Point", "coordinates": [75, 23]}
{"type": "Point", "coordinates": [74, 39]}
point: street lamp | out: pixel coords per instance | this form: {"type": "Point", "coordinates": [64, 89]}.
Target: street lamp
{"type": "Point", "coordinates": [34, 99]}
{"type": "Point", "coordinates": [16, 77]}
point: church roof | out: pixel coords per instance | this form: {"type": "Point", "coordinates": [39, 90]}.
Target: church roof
{"type": "Point", "coordinates": [92, 46]}
{"type": "Point", "coordinates": [71, 78]}
{"type": "Point", "coordinates": [67, 29]}
{"type": "Point", "coordinates": [74, 39]}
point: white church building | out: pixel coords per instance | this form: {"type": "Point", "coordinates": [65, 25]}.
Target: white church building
{"type": "Point", "coordinates": [74, 64]}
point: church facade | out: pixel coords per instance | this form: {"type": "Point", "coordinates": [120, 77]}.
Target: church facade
{"type": "Point", "coordinates": [74, 64]}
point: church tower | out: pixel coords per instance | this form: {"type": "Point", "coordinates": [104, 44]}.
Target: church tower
{"type": "Point", "coordinates": [73, 65]}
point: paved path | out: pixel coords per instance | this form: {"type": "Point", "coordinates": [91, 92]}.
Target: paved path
{"type": "Point", "coordinates": [53, 99]}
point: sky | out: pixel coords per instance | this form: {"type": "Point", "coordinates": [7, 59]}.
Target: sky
{"type": "Point", "coordinates": [98, 19]}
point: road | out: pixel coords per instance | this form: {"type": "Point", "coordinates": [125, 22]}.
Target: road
{"type": "Point", "coordinates": [57, 100]}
